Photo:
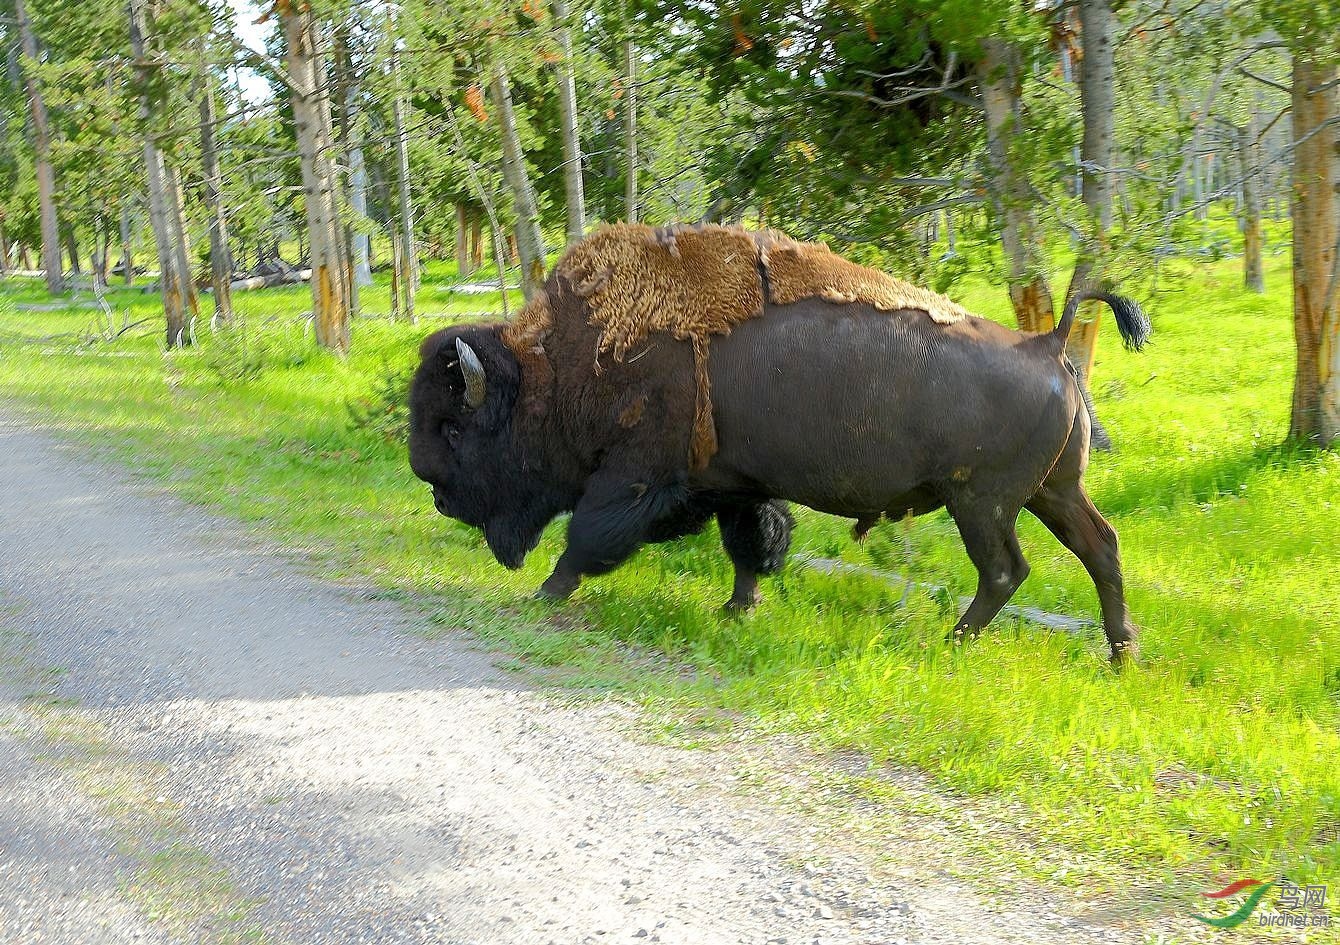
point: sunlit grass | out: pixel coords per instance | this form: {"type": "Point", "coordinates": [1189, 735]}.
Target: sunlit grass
{"type": "Point", "coordinates": [1216, 756]}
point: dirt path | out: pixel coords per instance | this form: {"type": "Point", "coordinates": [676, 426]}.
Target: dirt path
{"type": "Point", "coordinates": [200, 743]}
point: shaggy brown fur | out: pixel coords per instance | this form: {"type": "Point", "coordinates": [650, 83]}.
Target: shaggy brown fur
{"type": "Point", "coordinates": [689, 283]}
{"type": "Point", "coordinates": [811, 270]}
{"type": "Point", "coordinates": [633, 281]}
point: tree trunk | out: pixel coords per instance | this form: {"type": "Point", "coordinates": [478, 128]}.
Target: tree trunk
{"type": "Point", "coordinates": [97, 257]}
{"type": "Point", "coordinates": [1316, 229]}
{"type": "Point", "coordinates": [999, 74]}
{"type": "Point", "coordinates": [630, 130]}
{"type": "Point", "coordinates": [174, 273]}
{"type": "Point", "coordinates": [409, 269]}
{"type": "Point", "coordinates": [351, 137]}
{"type": "Point", "coordinates": [1249, 220]}
{"type": "Point", "coordinates": [358, 199]}
{"type": "Point", "coordinates": [72, 247]}
{"type": "Point", "coordinates": [332, 274]}
{"type": "Point", "coordinates": [220, 263]}
{"type": "Point", "coordinates": [463, 267]}
{"type": "Point", "coordinates": [572, 148]}
{"type": "Point", "coordinates": [476, 243]}
{"type": "Point", "coordinates": [45, 172]}
{"type": "Point", "coordinates": [127, 253]}
{"type": "Point", "coordinates": [1098, 103]}
{"type": "Point", "coordinates": [530, 241]}
{"type": "Point", "coordinates": [4, 252]}
{"type": "Point", "coordinates": [397, 259]}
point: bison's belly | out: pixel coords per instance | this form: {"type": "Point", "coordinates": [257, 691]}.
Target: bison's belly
{"type": "Point", "coordinates": [843, 463]}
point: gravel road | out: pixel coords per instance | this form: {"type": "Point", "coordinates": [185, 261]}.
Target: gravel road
{"type": "Point", "coordinates": [200, 742]}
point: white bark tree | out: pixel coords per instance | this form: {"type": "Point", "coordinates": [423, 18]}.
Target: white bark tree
{"type": "Point", "coordinates": [1000, 78]}
{"type": "Point", "coordinates": [1098, 79]}
{"type": "Point", "coordinates": [630, 129]}
{"type": "Point", "coordinates": [332, 273]}
{"type": "Point", "coordinates": [1249, 215]}
{"type": "Point", "coordinates": [220, 262]}
{"type": "Point", "coordinates": [180, 305]}
{"type": "Point", "coordinates": [45, 172]}
{"type": "Point", "coordinates": [358, 200]}
{"type": "Point", "coordinates": [529, 238]}
{"type": "Point", "coordinates": [1316, 235]}
{"type": "Point", "coordinates": [573, 189]}
{"type": "Point", "coordinates": [408, 257]}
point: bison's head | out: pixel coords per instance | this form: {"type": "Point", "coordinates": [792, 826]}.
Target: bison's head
{"type": "Point", "coordinates": [462, 441]}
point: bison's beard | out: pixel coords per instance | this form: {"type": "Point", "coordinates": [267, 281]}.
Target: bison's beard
{"type": "Point", "coordinates": [512, 537]}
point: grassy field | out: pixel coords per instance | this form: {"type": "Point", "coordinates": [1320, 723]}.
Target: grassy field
{"type": "Point", "coordinates": [1216, 758]}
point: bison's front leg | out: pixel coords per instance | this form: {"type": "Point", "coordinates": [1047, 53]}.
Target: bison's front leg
{"type": "Point", "coordinates": [756, 536]}
{"type": "Point", "coordinates": [614, 516]}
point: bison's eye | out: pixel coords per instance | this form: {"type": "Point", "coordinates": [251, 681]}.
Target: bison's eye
{"type": "Point", "coordinates": [451, 432]}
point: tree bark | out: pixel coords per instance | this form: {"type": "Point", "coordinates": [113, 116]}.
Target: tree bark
{"type": "Point", "coordinates": [127, 253]}
{"type": "Point", "coordinates": [350, 133]}
{"type": "Point", "coordinates": [72, 247]}
{"type": "Point", "coordinates": [1316, 230]}
{"type": "Point", "coordinates": [476, 243]}
{"type": "Point", "coordinates": [98, 259]}
{"type": "Point", "coordinates": [572, 149]}
{"type": "Point", "coordinates": [409, 269]}
{"type": "Point", "coordinates": [174, 273]}
{"type": "Point", "coordinates": [1097, 151]}
{"type": "Point", "coordinates": [220, 263]}
{"type": "Point", "coordinates": [530, 241]}
{"type": "Point", "coordinates": [1253, 275]}
{"type": "Point", "coordinates": [358, 199]}
{"type": "Point", "coordinates": [332, 274]}
{"type": "Point", "coordinates": [1000, 79]}
{"type": "Point", "coordinates": [397, 260]}
{"type": "Point", "coordinates": [463, 267]}
{"type": "Point", "coordinates": [46, 173]}
{"type": "Point", "coordinates": [630, 130]}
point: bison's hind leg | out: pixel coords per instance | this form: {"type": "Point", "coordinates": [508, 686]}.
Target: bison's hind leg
{"type": "Point", "coordinates": [1068, 512]}
{"type": "Point", "coordinates": [987, 529]}
{"type": "Point", "coordinates": [757, 536]}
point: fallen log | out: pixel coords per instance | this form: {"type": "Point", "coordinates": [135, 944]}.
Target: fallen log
{"type": "Point", "coordinates": [1071, 625]}
{"type": "Point", "coordinates": [289, 277]}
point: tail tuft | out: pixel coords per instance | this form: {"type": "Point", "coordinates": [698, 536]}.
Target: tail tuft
{"type": "Point", "coordinates": [1132, 322]}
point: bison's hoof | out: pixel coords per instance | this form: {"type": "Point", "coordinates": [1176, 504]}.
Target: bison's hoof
{"type": "Point", "coordinates": [1125, 656]}
{"type": "Point", "coordinates": [744, 599]}
{"type": "Point", "coordinates": [554, 592]}
{"type": "Point", "coordinates": [962, 634]}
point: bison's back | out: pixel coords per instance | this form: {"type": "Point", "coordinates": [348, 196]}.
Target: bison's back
{"type": "Point", "coordinates": [850, 410]}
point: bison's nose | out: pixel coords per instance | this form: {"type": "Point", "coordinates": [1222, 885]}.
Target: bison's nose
{"type": "Point", "coordinates": [439, 504]}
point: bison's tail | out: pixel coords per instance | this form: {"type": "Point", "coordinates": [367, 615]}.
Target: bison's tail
{"type": "Point", "coordinates": [1132, 322]}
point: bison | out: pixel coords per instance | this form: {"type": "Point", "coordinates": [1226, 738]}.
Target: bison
{"type": "Point", "coordinates": [845, 408]}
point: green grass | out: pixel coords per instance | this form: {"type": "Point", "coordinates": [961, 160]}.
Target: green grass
{"type": "Point", "coordinates": [1216, 757]}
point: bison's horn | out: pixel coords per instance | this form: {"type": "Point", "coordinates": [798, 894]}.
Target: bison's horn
{"type": "Point", "coordinates": [473, 372]}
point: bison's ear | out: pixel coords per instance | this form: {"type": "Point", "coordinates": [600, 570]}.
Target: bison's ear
{"type": "Point", "coordinates": [434, 344]}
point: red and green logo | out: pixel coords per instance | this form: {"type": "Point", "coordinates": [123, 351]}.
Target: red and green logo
{"type": "Point", "coordinates": [1244, 911]}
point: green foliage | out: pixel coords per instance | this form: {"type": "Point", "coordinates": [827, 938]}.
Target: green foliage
{"type": "Point", "coordinates": [239, 353]}
{"type": "Point", "coordinates": [384, 410]}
